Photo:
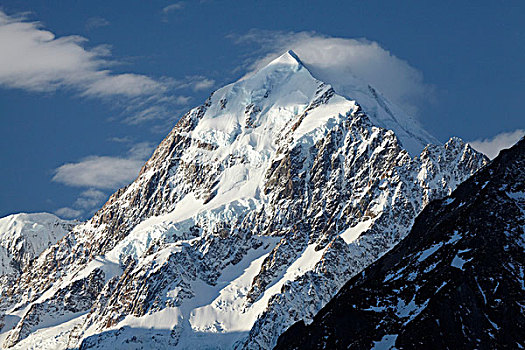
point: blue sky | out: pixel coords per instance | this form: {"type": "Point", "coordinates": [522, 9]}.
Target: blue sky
{"type": "Point", "coordinates": [87, 89]}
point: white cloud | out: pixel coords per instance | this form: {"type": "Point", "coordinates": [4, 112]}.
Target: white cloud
{"type": "Point", "coordinates": [141, 150]}
{"type": "Point", "coordinates": [195, 83]}
{"type": "Point", "coordinates": [345, 63]}
{"type": "Point", "coordinates": [68, 213]}
{"type": "Point", "coordinates": [125, 139]}
{"type": "Point", "coordinates": [203, 84]}
{"type": "Point", "coordinates": [131, 85]}
{"type": "Point", "coordinates": [86, 204]}
{"type": "Point", "coordinates": [173, 7]}
{"type": "Point", "coordinates": [90, 199]}
{"type": "Point", "coordinates": [146, 114]}
{"type": "Point", "coordinates": [491, 147]}
{"type": "Point", "coordinates": [96, 22]}
{"type": "Point", "coordinates": [104, 172]}
{"type": "Point", "coordinates": [182, 100]}
{"type": "Point", "coordinates": [34, 59]}
{"type": "Point", "coordinates": [98, 172]}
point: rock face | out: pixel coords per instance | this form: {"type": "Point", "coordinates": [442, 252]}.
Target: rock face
{"type": "Point", "coordinates": [455, 282]}
{"type": "Point", "coordinates": [250, 215]}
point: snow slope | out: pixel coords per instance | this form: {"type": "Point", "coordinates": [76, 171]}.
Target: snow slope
{"type": "Point", "coordinates": [24, 236]}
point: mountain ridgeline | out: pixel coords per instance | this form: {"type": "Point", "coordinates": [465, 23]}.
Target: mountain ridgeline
{"type": "Point", "coordinates": [455, 282]}
{"type": "Point", "coordinates": [250, 215]}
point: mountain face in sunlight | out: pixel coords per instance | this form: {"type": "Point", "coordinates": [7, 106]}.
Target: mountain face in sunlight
{"type": "Point", "coordinates": [251, 214]}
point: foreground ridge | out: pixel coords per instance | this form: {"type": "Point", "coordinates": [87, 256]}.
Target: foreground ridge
{"type": "Point", "coordinates": [455, 282]}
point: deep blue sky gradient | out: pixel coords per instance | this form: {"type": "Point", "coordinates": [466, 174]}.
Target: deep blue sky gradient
{"type": "Point", "coordinates": [472, 53]}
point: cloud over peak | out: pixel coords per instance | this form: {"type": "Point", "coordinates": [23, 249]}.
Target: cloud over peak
{"type": "Point", "coordinates": [344, 63]}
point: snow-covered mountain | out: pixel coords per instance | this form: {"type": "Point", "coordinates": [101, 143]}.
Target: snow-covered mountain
{"type": "Point", "coordinates": [250, 215]}
{"type": "Point", "coordinates": [455, 282]}
{"type": "Point", "coordinates": [24, 236]}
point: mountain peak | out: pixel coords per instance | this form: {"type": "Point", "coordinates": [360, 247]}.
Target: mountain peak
{"type": "Point", "coordinates": [293, 54]}
{"type": "Point", "coordinates": [259, 196]}
{"type": "Point", "coordinates": [288, 58]}
{"type": "Point", "coordinates": [381, 111]}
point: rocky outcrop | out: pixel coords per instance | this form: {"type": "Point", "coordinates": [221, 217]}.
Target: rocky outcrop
{"type": "Point", "coordinates": [75, 298]}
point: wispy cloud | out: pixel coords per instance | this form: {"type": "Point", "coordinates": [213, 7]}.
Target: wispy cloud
{"type": "Point", "coordinates": [492, 146]}
{"type": "Point", "coordinates": [68, 213]}
{"type": "Point", "coordinates": [90, 199]}
{"type": "Point", "coordinates": [141, 150]}
{"type": "Point", "coordinates": [203, 84]}
{"type": "Point", "coordinates": [86, 204]}
{"type": "Point", "coordinates": [182, 100]}
{"type": "Point", "coordinates": [98, 171]}
{"type": "Point", "coordinates": [146, 114]}
{"type": "Point", "coordinates": [195, 83]}
{"type": "Point", "coordinates": [34, 59]}
{"type": "Point", "coordinates": [128, 84]}
{"type": "Point", "coordinates": [104, 172]}
{"type": "Point", "coordinates": [100, 174]}
{"type": "Point", "coordinates": [344, 63]}
{"type": "Point", "coordinates": [124, 139]}
{"type": "Point", "coordinates": [173, 7]}
{"type": "Point", "coordinates": [96, 22]}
